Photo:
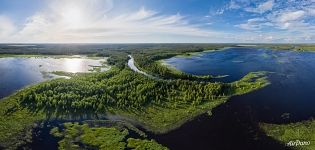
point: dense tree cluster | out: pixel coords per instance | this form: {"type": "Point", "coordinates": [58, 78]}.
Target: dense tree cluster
{"type": "Point", "coordinates": [115, 88]}
{"type": "Point", "coordinates": [148, 60]}
{"type": "Point", "coordinates": [109, 49]}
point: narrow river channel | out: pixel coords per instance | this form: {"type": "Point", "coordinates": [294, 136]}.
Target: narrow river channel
{"type": "Point", "coordinates": [132, 66]}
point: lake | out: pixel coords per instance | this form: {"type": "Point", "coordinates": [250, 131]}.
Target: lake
{"type": "Point", "coordinates": [17, 72]}
{"type": "Point", "coordinates": [234, 125]}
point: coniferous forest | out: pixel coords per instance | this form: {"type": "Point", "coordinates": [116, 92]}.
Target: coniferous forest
{"type": "Point", "coordinates": [158, 105]}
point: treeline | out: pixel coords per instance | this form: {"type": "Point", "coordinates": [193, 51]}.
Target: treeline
{"type": "Point", "coordinates": [74, 49]}
{"type": "Point", "coordinates": [148, 60]}
{"type": "Point", "coordinates": [116, 58]}
{"type": "Point", "coordinates": [122, 89]}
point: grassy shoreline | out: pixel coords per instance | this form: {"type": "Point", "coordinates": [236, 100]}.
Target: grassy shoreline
{"type": "Point", "coordinates": [300, 135]}
{"type": "Point", "coordinates": [82, 136]}
{"type": "Point", "coordinates": [294, 47]}
{"type": "Point", "coordinates": [188, 114]}
{"type": "Point", "coordinates": [174, 70]}
{"type": "Point", "coordinates": [167, 71]}
{"type": "Point", "coordinates": [191, 54]}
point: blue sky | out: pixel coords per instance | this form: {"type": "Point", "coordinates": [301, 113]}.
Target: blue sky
{"type": "Point", "coordinates": [157, 21]}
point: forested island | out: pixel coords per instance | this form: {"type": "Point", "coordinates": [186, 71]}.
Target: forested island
{"type": "Point", "coordinates": [156, 105]}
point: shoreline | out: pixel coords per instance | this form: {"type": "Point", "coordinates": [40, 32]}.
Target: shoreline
{"type": "Point", "coordinates": [167, 117]}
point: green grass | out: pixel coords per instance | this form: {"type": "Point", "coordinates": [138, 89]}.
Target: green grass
{"type": "Point", "coordinates": [305, 48]}
{"type": "Point", "coordinates": [301, 131]}
{"type": "Point", "coordinates": [16, 122]}
{"type": "Point", "coordinates": [296, 47]}
{"type": "Point", "coordinates": [117, 124]}
{"type": "Point", "coordinates": [101, 138]}
{"type": "Point", "coordinates": [138, 144]}
{"type": "Point", "coordinates": [174, 71]}
{"type": "Point", "coordinates": [191, 54]}
{"type": "Point", "coordinates": [76, 136]}
{"type": "Point", "coordinates": [252, 81]}
{"type": "Point", "coordinates": [63, 73]}
{"type": "Point", "coordinates": [22, 55]}
{"type": "Point", "coordinates": [162, 119]}
{"type": "Point", "coordinates": [170, 115]}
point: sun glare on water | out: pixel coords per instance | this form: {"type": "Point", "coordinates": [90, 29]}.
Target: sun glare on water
{"type": "Point", "coordinates": [73, 65]}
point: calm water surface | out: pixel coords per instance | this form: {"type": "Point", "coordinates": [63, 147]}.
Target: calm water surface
{"type": "Point", "coordinates": [16, 72]}
{"type": "Point", "coordinates": [234, 125]}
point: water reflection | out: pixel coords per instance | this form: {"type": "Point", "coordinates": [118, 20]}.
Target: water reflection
{"type": "Point", "coordinates": [18, 72]}
{"type": "Point", "coordinates": [73, 65]}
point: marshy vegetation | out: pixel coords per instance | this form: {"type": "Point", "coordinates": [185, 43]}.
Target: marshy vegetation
{"type": "Point", "coordinates": [299, 135]}
{"type": "Point", "coordinates": [82, 136]}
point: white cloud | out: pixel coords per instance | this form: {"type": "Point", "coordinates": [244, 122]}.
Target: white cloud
{"type": "Point", "coordinates": [291, 16]}
{"type": "Point", "coordinates": [277, 21]}
{"type": "Point", "coordinates": [261, 8]}
{"type": "Point", "coordinates": [266, 6]}
{"type": "Point", "coordinates": [220, 11]}
{"type": "Point", "coordinates": [99, 21]}
{"type": "Point", "coordinates": [92, 21]}
{"type": "Point", "coordinates": [272, 37]}
{"type": "Point", "coordinates": [254, 24]}
{"type": "Point", "coordinates": [292, 20]}
{"type": "Point", "coordinates": [311, 11]}
{"type": "Point", "coordinates": [251, 24]}
{"type": "Point", "coordinates": [6, 27]}
{"type": "Point", "coordinates": [234, 5]}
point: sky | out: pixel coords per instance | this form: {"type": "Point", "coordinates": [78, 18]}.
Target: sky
{"type": "Point", "coordinates": [157, 21]}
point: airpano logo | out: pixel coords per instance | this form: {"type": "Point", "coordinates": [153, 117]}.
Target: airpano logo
{"type": "Point", "coordinates": [298, 143]}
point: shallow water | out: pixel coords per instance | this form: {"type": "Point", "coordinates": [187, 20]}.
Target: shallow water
{"type": "Point", "coordinates": [234, 125]}
{"type": "Point", "coordinates": [16, 72]}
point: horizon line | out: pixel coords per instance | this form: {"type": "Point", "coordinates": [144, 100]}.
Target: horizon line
{"type": "Point", "coordinates": [20, 43]}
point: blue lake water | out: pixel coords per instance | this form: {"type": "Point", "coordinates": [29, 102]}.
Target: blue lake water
{"type": "Point", "coordinates": [16, 72]}
{"type": "Point", "coordinates": [234, 125]}
{"type": "Point", "coordinates": [292, 76]}
{"type": "Point", "coordinates": [237, 62]}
